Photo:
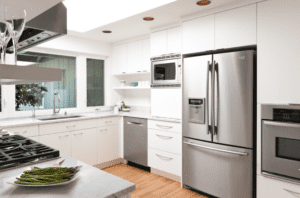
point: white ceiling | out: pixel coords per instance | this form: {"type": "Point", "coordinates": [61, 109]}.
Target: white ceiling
{"type": "Point", "coordinates": [32, 7]}
{"type": "Point", "coordinates": [135, 26]}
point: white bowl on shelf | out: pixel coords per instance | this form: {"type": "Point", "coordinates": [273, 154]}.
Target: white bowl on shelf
{"type": "Point", "coordinates": [126, 109]}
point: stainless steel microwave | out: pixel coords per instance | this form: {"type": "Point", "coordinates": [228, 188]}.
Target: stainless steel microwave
{"type": "Point", "coordinates": [166, 70]}
{"type": "Point", "coordinates": [281, 141]}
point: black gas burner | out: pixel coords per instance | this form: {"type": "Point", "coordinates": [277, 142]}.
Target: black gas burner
{"type": "Point", "coordinates": [16, 150]}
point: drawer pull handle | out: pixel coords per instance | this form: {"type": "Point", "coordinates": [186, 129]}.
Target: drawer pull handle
{"type": "Point", "coordinates": [164, 127]}
{"type": "Point", "coordinates": [77, 133]}
{"type": "Point", "coordinates": [165, 158]}
{"type": "Point", "coordinates": [218, 150]}
{"type": "Point", "coordinates": [292, 192]}
{"type": "Point", "coordinates": [136, 123]}
{"type": "Point", "coordinates": [63, 136]}
{"type": "Point", "coordinates": [164, 137]}
{"type": "Point", "coordinates": [108, 121]}
{"type": "Point", "coordinates": [72, 126]}
{"type": "Point", "coordinates": [21, 132]}
{"type": "Point", "coordinates": [103, 130]}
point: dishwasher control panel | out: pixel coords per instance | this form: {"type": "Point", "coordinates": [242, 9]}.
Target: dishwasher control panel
{"type": "Point", "coordinates": [197, 110]}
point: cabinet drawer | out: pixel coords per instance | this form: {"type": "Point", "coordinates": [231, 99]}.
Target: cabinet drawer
{"type": "Point", "coordinates": [67, 126]}
{"type": "Point", "coordinates": [26, 131]}
{"type": "Point", "coordinates": [267, 187]}
{"type": "Point", "coordinates": [108, 121]}
{"type": "Point", "coordinates": [164, 161]}
{"type": "Point", "coordinates": [59, 141]}
{"type": "Point", "coordinates": [164, 126]}
{"type": "Point", "coordinates": [165, 141]}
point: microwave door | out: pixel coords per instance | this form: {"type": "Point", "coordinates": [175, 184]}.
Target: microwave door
{"type": "Point", "coordinates": [164, 72]}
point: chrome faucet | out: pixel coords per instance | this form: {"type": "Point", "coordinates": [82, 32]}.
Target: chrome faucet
{"type": "Point", "coordinates": [59, 100]}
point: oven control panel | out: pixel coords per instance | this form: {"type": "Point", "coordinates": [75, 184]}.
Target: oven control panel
{"type": "Point", "coordinates": [286, 115]}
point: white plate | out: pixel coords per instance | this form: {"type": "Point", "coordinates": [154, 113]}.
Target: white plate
{"type": "Point", "coordinates": [59, 184]}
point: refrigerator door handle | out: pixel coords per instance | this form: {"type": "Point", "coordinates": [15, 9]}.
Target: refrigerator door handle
{"type": "Point", "coordinates": [219, 150]}
{"type": "Point", "coordinates": [216, 118]}
{"type": "Point", "coordinates": [213, 98]}
{"type": "Point", "coordinates": [207, 97]}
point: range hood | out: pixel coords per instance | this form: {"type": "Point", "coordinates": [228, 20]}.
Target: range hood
{"type": "Point", "coordinates": [46, 26]}
{"type": "Point", "coordinates": [49, 25]}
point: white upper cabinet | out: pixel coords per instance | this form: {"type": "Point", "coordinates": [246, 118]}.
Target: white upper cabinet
{"type": "Point", "coordinates": [174, 40]}
{"type": "Point", "coordinates": [198, 35]}
{"type": "Point", "coordinates": [135, 56]}
{"type": "Point", "coordinates": [120, 59]}
{"type": "Point", "coordinates": [235, 28]}
{"type": "Point", "coordinates": [166, 41]}
{"type": "Point", "coordinates": [146, 55]}
{"type": "Point", "coordinates": [159, 43]}
{"type": "Point", "coordinates": [278, 41]}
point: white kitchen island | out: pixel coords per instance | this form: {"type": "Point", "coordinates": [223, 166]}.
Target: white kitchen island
{"type": "Point", "coordinates": [92, 183]}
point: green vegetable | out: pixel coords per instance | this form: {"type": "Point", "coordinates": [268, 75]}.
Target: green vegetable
{"type": "Point", "coordinates": [46, 176]}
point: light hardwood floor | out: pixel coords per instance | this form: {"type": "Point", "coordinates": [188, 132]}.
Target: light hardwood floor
{"type": "Point", "coordinates": [149, 184]}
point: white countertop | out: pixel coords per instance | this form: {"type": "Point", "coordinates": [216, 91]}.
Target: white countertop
{"type": "Point", "coordinates": [92, 183]}
{"type": "Point", "coordinates": [25, 121]}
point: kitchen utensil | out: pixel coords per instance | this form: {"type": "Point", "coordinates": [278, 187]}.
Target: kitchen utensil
{"type": "Point", "coordinates": [134, 84]}
{"type": "Point", "coordinates": [15, 21]}
{"type": "Point", "coordinates": [58, 162]}
{"type": "Point", "coordinates": [4, 34]}
{"type": "Point", "coordinates": [123, 83]}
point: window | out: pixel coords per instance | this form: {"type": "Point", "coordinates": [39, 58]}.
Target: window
{"type": "Point", "coordinates": [40, 96]}
{"type": "Point", "coordinates": [95, 82]}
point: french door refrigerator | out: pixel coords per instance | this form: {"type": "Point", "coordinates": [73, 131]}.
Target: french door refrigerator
{"type": "Point", "coordinates": [218, 123]}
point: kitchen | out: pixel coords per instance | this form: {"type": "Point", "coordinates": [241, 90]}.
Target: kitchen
{"type": "Point", "coordinates": [176, 99]}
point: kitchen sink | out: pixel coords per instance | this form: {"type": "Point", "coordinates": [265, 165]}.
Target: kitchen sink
{"type": "Point", "coordinates": [59, 117]}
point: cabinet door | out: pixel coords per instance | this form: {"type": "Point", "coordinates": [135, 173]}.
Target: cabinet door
{"type": "Point", "coordinates": [236, 27]}
{"type": "Point", "coordinates": [159, 43]}
{"type": "Point", "coordinates": [59, 141]}
{"type": "Point", "coordinates": [267, 187]}
{"type": "Point", "coordinates": [120, 59]}
{"type": "Point", "coordinates": [146, 55]}
{"type": "Point", "coordinates": [108, 141]}
{"type": "Point", "coordinates": [84, 146]}
{"type": "Point", "coordinates": [278, 41]}
{"type": "Point", "coordinates": [135, 56]}
{"type": "Point", "coordinates": [174, 40]}
{"type": "Point", "coordinates": [198, 34]}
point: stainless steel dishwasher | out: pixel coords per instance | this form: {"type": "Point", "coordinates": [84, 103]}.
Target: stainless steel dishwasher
{"type": "Point", "coordinates": [135, 140]}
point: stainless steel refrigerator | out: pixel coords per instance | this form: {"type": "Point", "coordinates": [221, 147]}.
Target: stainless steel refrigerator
{"type": "Point", "coordinates": [218, 101]}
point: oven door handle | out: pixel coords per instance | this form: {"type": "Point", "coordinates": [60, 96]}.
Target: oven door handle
{"type": "Point", "coordinates": [283, 124]}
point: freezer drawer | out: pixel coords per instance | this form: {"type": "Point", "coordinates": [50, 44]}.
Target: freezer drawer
{"type": "Point", "coordinates": [135, 140]}
{"type": "Point", "coordinates": [218, 170]}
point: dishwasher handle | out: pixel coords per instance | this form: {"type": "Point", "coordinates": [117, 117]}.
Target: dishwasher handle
{"type": "Point", "coordinates": [136, 123]}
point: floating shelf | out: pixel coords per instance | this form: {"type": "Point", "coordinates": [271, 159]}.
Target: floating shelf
{"type": "Point", "coordinates": [121, 88]}
{"type": "Point", "coordinates": [134, 74]}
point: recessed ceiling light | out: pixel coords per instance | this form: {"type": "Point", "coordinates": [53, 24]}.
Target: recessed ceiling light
{"type": "Point", "coordinates": [203, 2]}
{"type": "Point", "coordinates": [95, 13]}
{"type": "Point", "coordinates": [106, 31]}
{"type": "Point", "coordinates": [148, 18]}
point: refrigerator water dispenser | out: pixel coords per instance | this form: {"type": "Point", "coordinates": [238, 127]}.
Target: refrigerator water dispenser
{"type": "Point", "coordinates": [197, 110]}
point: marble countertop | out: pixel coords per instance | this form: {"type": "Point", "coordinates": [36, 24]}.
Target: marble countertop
{"type": "Point", "coordinates": [29, 121]}
{"type": "Point", "coordinates": [92, 182]}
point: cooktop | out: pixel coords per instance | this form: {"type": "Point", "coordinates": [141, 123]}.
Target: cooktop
{"type": "Point", "coordinates": [16, 151]}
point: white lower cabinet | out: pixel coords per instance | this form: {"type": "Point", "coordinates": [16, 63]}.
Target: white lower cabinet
{"type": "Point", "coordinates": [36, 138]}
{"type": "Point", "coordinates": [108, 143]}
{"type": "Point", "coordinates": [26, 131]}
{"type": "Point", "coordinates": [267, 187]}
{"type": "Point", "coordinates": [84, 146]}
{"type": "Point", "coordinates": [59, 141]}
{"type": "Point", "coordinates": [164, 161]}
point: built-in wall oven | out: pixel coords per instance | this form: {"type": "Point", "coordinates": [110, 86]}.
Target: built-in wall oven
{"type": "Point", "coordinates": [281, 141]}
{"type": "Point", "coordinates": [166, 70]}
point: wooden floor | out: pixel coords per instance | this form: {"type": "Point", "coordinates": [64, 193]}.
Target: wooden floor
{"type": "Point", "coordinates": [149, 184]}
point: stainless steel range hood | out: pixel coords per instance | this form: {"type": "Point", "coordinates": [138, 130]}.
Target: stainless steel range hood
{"type": "Point", "coordinates": [46, 26]}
